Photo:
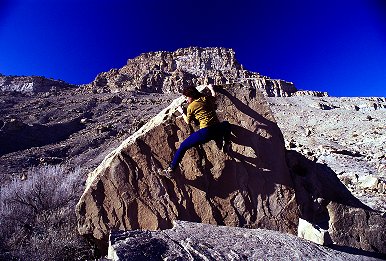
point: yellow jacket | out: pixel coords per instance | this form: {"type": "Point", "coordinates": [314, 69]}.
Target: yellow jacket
{"type": "Point", "coordinates": [203, 110]}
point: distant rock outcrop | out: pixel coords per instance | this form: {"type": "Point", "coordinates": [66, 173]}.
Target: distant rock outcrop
{"type": "Point", "coordinates": [250, 186]}
{"type": "Point", "coordinates": [31, 84]}
{"type": "Point", "coordinates": [169, 72]}
{"type": "Point", "coordinates": [310, 93]}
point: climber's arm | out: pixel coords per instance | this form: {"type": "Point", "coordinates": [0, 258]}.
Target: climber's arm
{"type": "Point", "coordinates": [201, 88]}
{"type": "Point", "coordinates": [210, 87]}
{"type": "Point", "coordinates": [183, 114]}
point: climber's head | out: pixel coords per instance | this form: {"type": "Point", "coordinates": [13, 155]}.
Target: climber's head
{"type": "Point", "coordinates": [191, 93]}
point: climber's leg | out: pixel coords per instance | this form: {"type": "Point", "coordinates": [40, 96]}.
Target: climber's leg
{"type": "Point", "coordinates": [199, 137]}
{"type": "Point", "coordinates": [226, 131]}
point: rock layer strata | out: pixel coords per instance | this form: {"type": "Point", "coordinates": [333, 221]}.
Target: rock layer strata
{"type": "Point", "coordinates": [169, 72]}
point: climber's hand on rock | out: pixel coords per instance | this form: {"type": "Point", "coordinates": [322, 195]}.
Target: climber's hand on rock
{"type": "Point", "coordinates": [180, 110]}
{"type": "Point", "coordinates": [210, 87]}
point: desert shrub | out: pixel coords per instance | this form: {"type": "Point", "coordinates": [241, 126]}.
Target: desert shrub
{"type": "Point", "coordinates": [37, 218]}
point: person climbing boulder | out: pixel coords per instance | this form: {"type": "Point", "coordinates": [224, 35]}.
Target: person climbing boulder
{"type": "Point", "coordinates": [202, 109]}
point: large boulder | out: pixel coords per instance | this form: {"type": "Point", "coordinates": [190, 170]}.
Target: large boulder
{"type": "Point", "coordinates": [357, 227]}
{"type": "Point", "coordinates": [250, 186]}
{"type": "Point", "coordinates": [329, 206]}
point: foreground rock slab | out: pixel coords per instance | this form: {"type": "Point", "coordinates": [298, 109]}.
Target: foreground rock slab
{"type": "Point", "coordinates": [193, 241]}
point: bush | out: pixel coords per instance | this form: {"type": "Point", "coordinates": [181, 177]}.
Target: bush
{"type": "Point", "coordinates": [37, 218]}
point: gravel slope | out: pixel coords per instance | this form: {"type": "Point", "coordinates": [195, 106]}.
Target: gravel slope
{"type": "Point", "coordinates": [347, 134]}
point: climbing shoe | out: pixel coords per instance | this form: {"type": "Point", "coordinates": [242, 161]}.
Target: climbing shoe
{"type": "Point", "coordinates": [226, 146]}
{"type": "Point", "coordinates": [167, 173]}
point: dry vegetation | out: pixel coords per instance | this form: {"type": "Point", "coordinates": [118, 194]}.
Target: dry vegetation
{"type": "Point", "coordinates": [37, 218]}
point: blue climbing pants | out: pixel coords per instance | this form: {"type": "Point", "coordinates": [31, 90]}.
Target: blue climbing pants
{"type": "Point", "coordinates": [220, 131]}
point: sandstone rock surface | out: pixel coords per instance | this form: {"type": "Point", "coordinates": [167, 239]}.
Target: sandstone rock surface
{"type": "Point", "coordinates": [193, 241]}
{"type": "Point", "coordinates": [325, 202]}
{"type": "Point", "coordinates": [313, 233]}
{"type": "Point", "coordinates": [250, 186]}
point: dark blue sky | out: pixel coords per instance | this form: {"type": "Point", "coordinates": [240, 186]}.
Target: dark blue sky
{"type": "Point", "coordinates": [338, 46]}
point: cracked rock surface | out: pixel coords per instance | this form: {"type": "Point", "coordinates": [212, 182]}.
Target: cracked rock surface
{"type": "Point", "coordinates": [194, 241]}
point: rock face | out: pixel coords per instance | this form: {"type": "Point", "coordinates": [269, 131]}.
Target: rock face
{"type": "Point", "coordinates": [357, 227]}
{"type": "Point", "coordinates": [30, 84]}
{"type": "Point", "coordinates": [326, 203]}
{"type": "Point", "coordinates": [193, 241]}
{"type": "Point", "coordinates": [313, 233]}
{"type": "Point", "coordinates": [169, 72]}
{"type": "Point", "coordinates": [310, 93]}
{"type": "Point", "coordinates": [250, 186]}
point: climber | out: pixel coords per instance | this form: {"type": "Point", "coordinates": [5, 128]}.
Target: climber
{"type": "Point", "coordinates": [201, 108]}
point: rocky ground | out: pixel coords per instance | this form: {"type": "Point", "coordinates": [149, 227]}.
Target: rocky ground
{"type": "Point", "coordinates": [346, 134]}
{"type": "Point", "coordinates": [68, 126]}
